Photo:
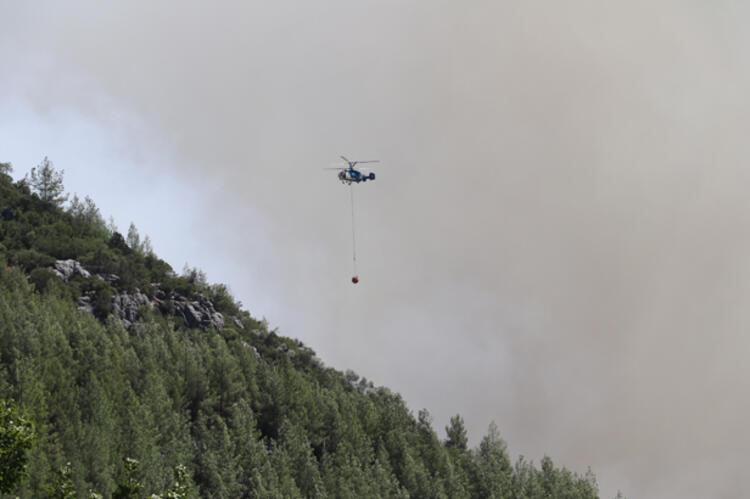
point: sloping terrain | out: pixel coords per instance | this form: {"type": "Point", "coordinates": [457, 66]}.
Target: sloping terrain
{"type": "Point", "coordinates": [130, 371]}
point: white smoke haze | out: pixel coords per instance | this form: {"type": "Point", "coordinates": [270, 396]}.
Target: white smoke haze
{"type": "Point", "coordinates": [559, 236]}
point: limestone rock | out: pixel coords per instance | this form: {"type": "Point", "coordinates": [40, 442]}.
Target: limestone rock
{"type": "Point", "coordinates": [197, 313]}
{"type": "Point", "coordinates": [125, 306]}
{"type": "Point", "coordinates": [84, 303]}
{"type": "Point", "coordinates": [65, 269]}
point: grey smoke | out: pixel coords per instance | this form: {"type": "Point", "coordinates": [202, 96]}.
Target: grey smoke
{"type": "Point", "coordinates": [559, 235]}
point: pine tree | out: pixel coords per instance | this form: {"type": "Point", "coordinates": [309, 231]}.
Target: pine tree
{"type": "Point", "coordinates": [63, 486]}
{"type": "Point", "coordinates": [296, 446]}
{"type": "Point", "coordinates": [87, 218]}
{"type": "Point", "coordinates": [182, 487]}
{"type": "Point", "coordinates": [248, 412]}
{"type": "Point", "coordinates": [16, 437]}
{"type": "Point", "coordinates": [494, 470]}
{"type": "Point", "coordinates": [134, 238]}
{"type": "Point", "coordinates": [47, 183]}
{"type": "Point", "coordinates": [129, 487]}
{"type": "Point", "coordinates": [456, 431]}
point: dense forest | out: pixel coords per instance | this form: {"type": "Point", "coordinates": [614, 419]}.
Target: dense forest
{"type": "Point", "coordinates": [120, 377]}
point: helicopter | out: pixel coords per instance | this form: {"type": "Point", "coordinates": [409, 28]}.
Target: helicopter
{"type": "Point", "coordinates": [349, 175]}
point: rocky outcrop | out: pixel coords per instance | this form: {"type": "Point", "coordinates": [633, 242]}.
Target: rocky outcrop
{"type": "Point", "coordinates": [127, 306]}
{"type": "Point", "coordinates": [198, 311]}
{"type": "Point", "coordinates": [85, 304]}
{"type": "Point", "coordinates": [66, 269]}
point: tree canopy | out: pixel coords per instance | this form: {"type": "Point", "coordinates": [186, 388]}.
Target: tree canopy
{"type": "Point", "coordinates": [164, 409]}
{"type": "Point", "coordinates": [47, 182]}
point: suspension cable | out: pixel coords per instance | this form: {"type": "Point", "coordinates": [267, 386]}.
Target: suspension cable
{"type": "Point", "coordinates": [354, 238]}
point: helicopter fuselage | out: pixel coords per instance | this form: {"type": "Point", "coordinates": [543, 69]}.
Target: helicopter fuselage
{"type": "Point", "coordinates": [351, 175]}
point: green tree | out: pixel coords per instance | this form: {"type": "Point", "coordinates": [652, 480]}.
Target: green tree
{"type": "Point", "coordinates": [63, 486]}
{"type": "Point", "coordinates": [41, 277]}
{"type": "Point", "coordinates": [140, 246]}
{"type": "Point", "coordinates": [182, 487]}
{"type": "Point", "coordinates": [194, 276]}
{"type": "Point", "coordinates": [47, 183]}
{"type": "Point", "coordinates": [16, 437]}
{"type": "Point", "coordinates": [249, 412]}
{"type": "Point", "coordinates": [130, 487]}
{"type": "Point", "coordinates": [134, 238]}
{"type": "Point", "coordinates": [87, 217]}
{"type": "Point", "coordinates": [494, 469]}
{"type": "Point", "coordinates": [456, 431]}
{"type": "Point", "coordinates": [6, 168]}
{"type": "Point", "coordinates": [295, 444]}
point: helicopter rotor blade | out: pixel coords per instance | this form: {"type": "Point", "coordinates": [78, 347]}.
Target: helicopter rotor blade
{"type": "Point", "coordinates": [369, 161]}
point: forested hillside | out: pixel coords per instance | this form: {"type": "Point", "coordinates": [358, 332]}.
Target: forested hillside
{"type": "Point", "coordinates": [139, 380]}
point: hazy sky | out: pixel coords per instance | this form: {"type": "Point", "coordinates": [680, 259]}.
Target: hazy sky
{"type": "Point", "coordinates": [558, 239]}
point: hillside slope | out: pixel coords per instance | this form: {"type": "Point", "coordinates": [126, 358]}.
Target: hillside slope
{"type": "Point", "coordinates": [113, 355]}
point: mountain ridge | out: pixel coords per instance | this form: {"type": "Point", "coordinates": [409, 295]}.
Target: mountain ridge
{"type": "Point", "coordinates": [117, 360]}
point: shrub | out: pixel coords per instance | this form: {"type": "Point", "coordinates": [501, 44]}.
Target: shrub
{"type": "Point", "coordinates": [40, 278]}
{"type": "Point", "coordinates": [222, 299]}
{"type": "Point", "coordinates": [102, 298]}
{"type": "Point", "coordinates": [117, 242]}
{"type": "Point", "coordinates": [16, 438]}
{"type": "Point", "coordinates": [29, 259]}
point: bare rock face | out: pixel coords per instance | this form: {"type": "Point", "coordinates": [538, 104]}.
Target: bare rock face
{"type": "Point", "coordinates": [126, 306]}
{"type": "Point", "coordinates": [197, 313]}
{"type": "Point", "coordinates": [190, 312]}
{"type": "Point", "coordinates": [65, 269]}
{"type": "Point", "coordinates": [217, 320]}
{"type": "Point", "coordinates": [84, 304]}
